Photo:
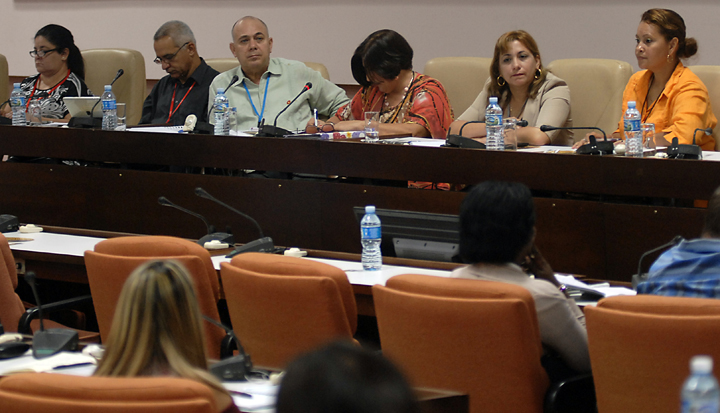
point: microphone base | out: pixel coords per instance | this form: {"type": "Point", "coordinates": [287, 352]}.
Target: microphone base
{"type": "Point", "coordinates": [204, 128]}
{"type": "Point", "coordinates": [85, 123]}
{"type": "Point", "coordinates": [268, 131]}
{"type": "Point", "coordinates": [223, 237]}
{"type": "Point", "coordinates": [684, 151]}
{"type": "Point", "coordinates": [259, 245]}
{"type": "Point", "coordinates": [9, 223]}
{"type": "Point", "coordinates": [458, 141]}
{"type": "Point", "coordinates": [231, 369]}
{"type": "Point", "coordinates": [51, 341]}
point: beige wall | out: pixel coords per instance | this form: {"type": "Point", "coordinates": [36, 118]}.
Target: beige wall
{"type": "Point", "coordinates": [329, 30]}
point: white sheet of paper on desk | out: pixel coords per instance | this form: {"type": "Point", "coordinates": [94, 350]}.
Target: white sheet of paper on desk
{"type": "Point", "coordinates": [27, 363]}
{"type": "Point", "coordinates": [263, 395]}
{"type": "Point", "coordinates": [604, 289]}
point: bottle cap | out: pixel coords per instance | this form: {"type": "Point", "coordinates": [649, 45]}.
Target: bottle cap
{"type": "Point", "coordinates": [493, 99]}
{"type": "Point", "coordinates": [108, 87]}
{"type": "Point", "coordinates": [16, 85]}
{"type": "Point", "coordinates": [370, 209]}
{"type": "Point", "coordinates": [631, 104]}
{"type": "Point", "coordinates": [701, 364]}
{"type": "Point", "coordinates": [220, 91]}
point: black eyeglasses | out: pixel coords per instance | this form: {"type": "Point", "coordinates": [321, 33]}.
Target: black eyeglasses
{"type": "Point", "coordinates": [167, 59]}
{"type": "Point", "coordinates": [42, 53]}
{"type": "Point", "coordinates": [326, 127]}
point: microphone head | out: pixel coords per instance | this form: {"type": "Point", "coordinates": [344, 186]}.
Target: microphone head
{"type": "Point", "coordinates": [201, 192]}
{"type": "Point", "coordinates": [522, 123]}
{"type": "Point", "coordinates": [308, 85]}
{"type": "Point", "coordinates": [546, 128]}
{"type": "Point", "coordinates": [708, 131]}
{"type": "Point", "coordinates": [120, 72]}
{"type": "Point", "coordinates": [30, 277]}
{"type": "Point", "coordinates": [163, 201]}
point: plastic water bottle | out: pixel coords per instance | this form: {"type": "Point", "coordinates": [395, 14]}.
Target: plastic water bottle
{"type": "Point", "coordinates": [493, 126]}
{"type": "Point", "coordinates": [109, 108]}
{"type": "Point", "coordinates": [633, 134]}
{"type": "Point", "coordinates": [700, 393]}
{"type": "Point", "coordinates": [221, 107]}
{"type": "Point", "coordinates": [371, 236]}
{"type": "Point", "coordinates": [17, 103]}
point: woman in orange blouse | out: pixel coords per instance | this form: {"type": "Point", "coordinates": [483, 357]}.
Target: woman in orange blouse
{"type": "Point", "coordinates": [667, 93]}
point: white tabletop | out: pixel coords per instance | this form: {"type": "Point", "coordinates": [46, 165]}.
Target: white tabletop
{"type": "Point", "coordinates": [51, 243]}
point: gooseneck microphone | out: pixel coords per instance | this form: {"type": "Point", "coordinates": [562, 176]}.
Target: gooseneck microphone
{"type": "Point", "coordinates": [49, 342]}
{"type": "Point", "coordinates": [262, 244]}
{"type": "Point", "coordinates": [684, 151]}
{"type": "Point", "coordinates": [91, 121]}
{"type": "Point", "coordinates": [232, 82]}
{"type": "Point", "coordinates": [640, 276]}
{"type": "Point", "coordinates": [274, 131]}
{"type": "Point", "coordinates": [234, 368]}
{"type": "Point", "coordinates": [594, 147]}
{"type": "Point", "coordinates": [119, 73]}
{"type": "Point", "coordinates": [211, 234]}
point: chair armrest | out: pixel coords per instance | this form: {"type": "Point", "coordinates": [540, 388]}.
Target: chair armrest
{"type": "Point", "coordinates": [573, 395]}
{"type": "Point", "coordinates": [33, 313]}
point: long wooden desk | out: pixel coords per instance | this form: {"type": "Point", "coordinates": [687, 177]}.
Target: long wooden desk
{"type": "Point", "coordinates": [585, 225]}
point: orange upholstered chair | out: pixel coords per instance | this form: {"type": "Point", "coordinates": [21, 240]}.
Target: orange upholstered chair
{"type": "Point", "coordinates": [283, 306]}
{"type": "Point", "coordinates": [476, 337]}
{"type": "Point", "coordinates": [640, 349]}
{"type": "Point", "coordinates": [12, 308]}
{"type": "Point", "coordinates": [57, 393]}
{"type": "Point", "coordinates": [114, 259]}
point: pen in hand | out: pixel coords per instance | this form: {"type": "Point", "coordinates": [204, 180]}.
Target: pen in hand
{"type": "Point", "coordinates": [315, 117]}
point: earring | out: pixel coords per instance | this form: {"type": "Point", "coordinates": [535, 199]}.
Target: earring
{"type": "Point", "coordinates": [499, 78]}
{"type": "Point", "coordinates": [538, 73]}
{"type": "Point", "coordinates": [668, 58]}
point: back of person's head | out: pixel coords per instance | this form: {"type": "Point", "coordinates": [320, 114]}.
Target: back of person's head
{"type": "Point", "coordinates": [672, 25]}
{"type": "Point", "coordinates": [384, 53]}
{"type": "Point", "coordinates": [63, 39]}
{"type": "Point", "coordinates": [497, 220]}
{"type": "Point", "coordinates": [157, 327]}
{"type": "Point", "coordinates": [712, 216]}
{"type": "Point", "coordinates": [342, 377]}
{"type": "Point", "coordinates": [501, 47]}
{"type": "Point", "coordinates": [178, 31]}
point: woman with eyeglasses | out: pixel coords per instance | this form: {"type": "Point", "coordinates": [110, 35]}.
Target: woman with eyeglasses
{"type": "Point", "coordinates": [408, 102]}
{"type": "Point", "coordinates": [61, 73]}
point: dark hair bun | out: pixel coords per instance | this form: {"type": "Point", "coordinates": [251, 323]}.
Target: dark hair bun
{"type": "Point", "coordinates": [691, 47]}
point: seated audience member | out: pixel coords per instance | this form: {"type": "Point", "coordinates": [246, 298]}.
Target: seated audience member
{"type": "Point", "coordinates": [691, 268]}
{"type": "Point", "coordinates": [157, 330]}
{"type": "Point", "coordinates": [525, 91]}
{"type": "Point", "coordinates": [497, 237]}
{"type": "Point", "coordinates": [185, 88]}
{"type": "Point", "coordinates": [266, 86]}
{"type": "Point", "coordinates": [61, 73]}
{"type": "Point", "coordinates": [409, 102]}
{"type": "Point", "coordinates": [667, 93]}
{"type": "Point", "coordinates": [342, 377]}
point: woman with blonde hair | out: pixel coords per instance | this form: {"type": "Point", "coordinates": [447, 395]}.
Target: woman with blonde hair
{"type": "Point", "coordinates": [525, 91]}
{"type": "Point", "coordinates": [157, 330]}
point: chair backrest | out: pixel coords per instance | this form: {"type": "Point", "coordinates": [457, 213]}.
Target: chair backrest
{"type": "Point", "coordinates": [640, 348]}
{"type": "Point", "coordinates": [11, 307]}
{"type": "Point", "coordinates": [59, 393]}
{"type": "Point", "coordinates": [488, 348]}
{"type": "Point", "coordinates": [114, 259]}
{"type": "Point", "coordinates": [223, 64]}
{"type": "Point", "coordinates": [278, 317]}
{"type": "Point", "coordinates": [283, 265]}
{"type": "Point", "coordinates": [101, 66]}
{"type": "Point", "coordinates": [462, 77]}
{"type": "Point", "coordinates": [596, 88]}
{"type": "Point", "coordinates": [4, 79]}
{"type": "Point", "coordinates": [710, 76]}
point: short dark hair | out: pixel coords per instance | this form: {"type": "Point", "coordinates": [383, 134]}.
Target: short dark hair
{"type": "Point", "coordinates": [497, 220]}
{"type": "Point", "coordinates": [384, 53]}
{"type": "Point", "coordinates": [62, 39]}
{"type": "Point", "coordinates": [672, 25]}
{"type": "Point", "coordinates": [712, 216]}
{"type": "Point", "coordinates": [342, 377]}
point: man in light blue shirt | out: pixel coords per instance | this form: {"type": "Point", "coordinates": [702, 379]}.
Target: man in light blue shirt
{"type": "Point", "coordinates": [266, 86]}
{"type": "Point", "coordinates": [691, 268]}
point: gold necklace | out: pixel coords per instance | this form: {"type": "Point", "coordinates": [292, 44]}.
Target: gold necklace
{"type": "Point", "coordinates": [407, 89]}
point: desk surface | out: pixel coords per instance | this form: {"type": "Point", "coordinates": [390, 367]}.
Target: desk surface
{"type": "Point", "coordinates": [594, 214]}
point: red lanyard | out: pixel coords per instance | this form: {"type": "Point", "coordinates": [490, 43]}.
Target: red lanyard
{"type": "Point", "coordinates": [172, 102]}
{"type": "Point", "coordinates": [27, 104]}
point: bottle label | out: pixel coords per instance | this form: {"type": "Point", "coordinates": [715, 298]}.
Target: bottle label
{"type": "Point", "coordinates": [493, 120]}
{"type": "Point", "coordinates": [109, 104]}
{"type": "Point", "coordinates": [371, 233]}
{"type": "Point", "coordinates": [632, 125]}
{"type": "Point", "coordinates": [699, 406]}
{"type": "Point", "coordinates": [17, 101]}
